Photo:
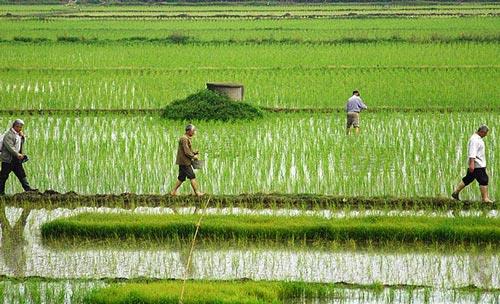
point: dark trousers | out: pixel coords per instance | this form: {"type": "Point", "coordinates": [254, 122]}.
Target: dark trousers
{"type": "Point", "coordinates": [16, 167]}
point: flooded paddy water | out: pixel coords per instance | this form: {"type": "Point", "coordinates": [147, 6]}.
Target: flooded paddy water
{"type": "Point", "coordinates": [433, 274]}
{"type": "Point", "coordinates": [93, 84]}
{"type": "Point", "coordinates": [137, 154]}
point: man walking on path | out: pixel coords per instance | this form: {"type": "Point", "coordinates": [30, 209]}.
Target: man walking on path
{"type": "Point", "coordinates": [12, 156]}
{"type": "Point", "coordinates": [477, 165]}
{"type": "Point", "coordinates": [185, 156]}
{"type": "Point", "coordinates": [354, 106]}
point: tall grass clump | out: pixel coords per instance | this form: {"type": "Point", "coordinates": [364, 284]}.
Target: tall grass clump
{"type": "Point", "coordinates": [197, 292]}
{"type": "Point", "coordinates": [89, 226]}
{"type": "Point", "coordinates": [209, 105]}
{"type": "Point", "coordinates": [260, 292]}
{"type": "Point", "coordinates": [220, 292]}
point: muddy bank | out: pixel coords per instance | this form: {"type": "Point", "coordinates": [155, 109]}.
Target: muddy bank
{"type": "Point", "coordinates": [53, 199]}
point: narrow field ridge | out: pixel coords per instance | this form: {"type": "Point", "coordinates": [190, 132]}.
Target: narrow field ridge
{"type": "Point", "coordinates": [53, 199]}
{"type": "Point", "coordinates": [248, 16]}
{"type": "Point", "coordinates": [265, 109]}
{"type": "Point", "coordinates": [264, 40]}
{"type": "Point", "coordinates": [246, 68]}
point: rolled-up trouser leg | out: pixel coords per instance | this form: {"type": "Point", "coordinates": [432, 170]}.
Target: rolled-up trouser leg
{"type": "Point", "coordinates": [4, 175]}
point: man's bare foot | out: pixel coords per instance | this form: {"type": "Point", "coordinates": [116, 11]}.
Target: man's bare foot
{"type": "Point", "coordinates": [199, 193]}
{"type": "Point", "coordinates": [173, 193]}
{"type": "Point", "coordinates": [487, 201]}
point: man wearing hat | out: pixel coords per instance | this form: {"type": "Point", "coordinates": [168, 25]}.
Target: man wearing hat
{"type": "Point", "coordinates": [12, 156]}
{"type": "Point", "coordinates": [185, 157]}
{"type": "Point", "coordinates": [476, 156]}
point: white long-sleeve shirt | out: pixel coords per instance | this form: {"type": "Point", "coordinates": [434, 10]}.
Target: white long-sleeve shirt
{"type": "Point", "coordinates": [476, 150]}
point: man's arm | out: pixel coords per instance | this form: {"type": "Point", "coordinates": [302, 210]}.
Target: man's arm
{"type": "Point", "coordinates": [471, 164]}
{"type": "Point", "coordinates": [186, 149]}
{"type": "Point", "coordinates": [362, 104]}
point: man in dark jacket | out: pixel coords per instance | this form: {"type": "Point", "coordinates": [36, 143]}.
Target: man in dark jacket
{"type": "Point", "coordinates": [12, 156]}
{"type": "Point", "coordinates": [185, 157]}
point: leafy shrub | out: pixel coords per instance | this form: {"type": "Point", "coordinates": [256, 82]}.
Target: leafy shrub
{"type": "Point", "coordinates": [209, 105]}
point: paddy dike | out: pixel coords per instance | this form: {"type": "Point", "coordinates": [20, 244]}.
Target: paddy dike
{"type": "Point", "coordinates": [54, 199]}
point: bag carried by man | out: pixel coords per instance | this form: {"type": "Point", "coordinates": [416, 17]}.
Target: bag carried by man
{"type": "Point", "coordinates": [198, 164]}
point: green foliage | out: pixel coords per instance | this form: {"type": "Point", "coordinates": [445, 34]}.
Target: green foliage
{"type": "Point", "coordinates": [247, 292]}
{"type": "Point", "coordinates": [409, 229]}
{"type": "Point", "coordinates": [222, 292]}
{"type": "Point", "coordinates": [209, 105]}
{"type": "Point", "coordinates": [196, 292]}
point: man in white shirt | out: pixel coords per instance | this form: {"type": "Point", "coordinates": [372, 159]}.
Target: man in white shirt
{"type": "Point", "coordinates": [477, 165]}
{"type": "Point", "coordinates": [353, 107]}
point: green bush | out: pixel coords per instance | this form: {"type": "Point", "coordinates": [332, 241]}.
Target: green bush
{"type": "Point", "coordinates": [209, 105]}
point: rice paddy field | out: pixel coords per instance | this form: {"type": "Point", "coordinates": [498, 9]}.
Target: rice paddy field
{"type": "Point", "coordinates": [295, 211]}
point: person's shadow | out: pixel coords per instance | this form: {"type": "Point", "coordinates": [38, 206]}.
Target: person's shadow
{"type": "Point", "coordinates": [12, 245]}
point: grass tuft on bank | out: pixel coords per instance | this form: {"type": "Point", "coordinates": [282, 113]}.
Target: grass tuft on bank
{"type": "Point", "coordinates": [220, 292]}
{"type": "Point", "coordinates": [212, 106]}
{"type": "Point", "coordinates": [242, 291]}
{"type": "Point", "coordinates": [407, 229]}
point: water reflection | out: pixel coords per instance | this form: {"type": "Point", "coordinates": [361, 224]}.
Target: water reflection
{"type": "Point", "coordinates": [23, 254]}
{"type": "Point", "coordinates": [13, 252]}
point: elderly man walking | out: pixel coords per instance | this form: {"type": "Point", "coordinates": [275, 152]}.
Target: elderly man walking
{"type": "Point", "coordinates": [476, 153]}
{"type": "Point", "coordinates": [353, 107]}
{"type": "Point", "coordinates": [12, 156]}
{"type": "Point", "coordinates": [185, 157]}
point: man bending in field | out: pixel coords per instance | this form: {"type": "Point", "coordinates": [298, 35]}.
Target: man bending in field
{"type": "Point", "coordinates": [477, 165]}
{"type": "Point", "coordinates": [353, 107]}
{"type": "Point", "coordinates": [185, 156]}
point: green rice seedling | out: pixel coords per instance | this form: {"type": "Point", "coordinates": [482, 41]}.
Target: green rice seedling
{"type": "Point", "coordinates": [431, 30]}
{"type": "Point", "coordinates": [396, 156]}
{"type": "Point", "coordinates": [387, 81]}
{"type": "Point", "coordinates": [39, 290]}
{"type": "Point", "coordinates": [86, 226]}
{"type": "Point", "coordinates": [267, 292]}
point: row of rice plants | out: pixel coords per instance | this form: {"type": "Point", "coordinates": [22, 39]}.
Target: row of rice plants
{"type": "Point", "coordinates": [398, 154]}
{"type": "Point", "coordinates": [88, 226]}
{"type": "Point", "coordinates": [38, 291]}
{"type": "Point", "coordinates": [485, 6]}
{"type": "Point", "coordinates": [68, 56]}
{"type": "Point", "coordinates": [394, 88]}
{"type": "Point", "coordinates": [280, 13]}
{"type": "Point", "coordinates": [249, 292]}
{"type": "Point", "coordinates": [417, 29]}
